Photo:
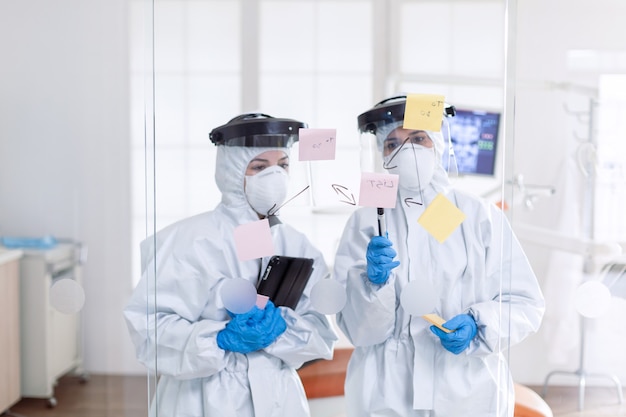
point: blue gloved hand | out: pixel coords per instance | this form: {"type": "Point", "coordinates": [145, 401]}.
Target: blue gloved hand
{"type": "Point", "coordinates": [253, 330]}
{"type": "Point", "coordinates": [464, 328]}
{"type": "Point", "coordinates": [380, 261]}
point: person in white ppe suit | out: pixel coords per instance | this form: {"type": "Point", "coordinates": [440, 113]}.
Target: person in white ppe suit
{"type": "Point", "coordinates": [210, 361]}
{"type": "Point", "coordinates": [402, 366]}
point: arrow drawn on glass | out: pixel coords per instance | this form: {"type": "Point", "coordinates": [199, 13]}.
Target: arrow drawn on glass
{"type": "Point", "coordinates": [272, 211]}
{"type": "Point", "coordinates": [409, 200]}
{"type": "Point", "coordinates": [340, 189]}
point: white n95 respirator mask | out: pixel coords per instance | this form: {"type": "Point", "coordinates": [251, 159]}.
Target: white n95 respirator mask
{"type": "Point", "coordinates": [414, 164]}
{"type": "Point", "coordinates": [267, 190]}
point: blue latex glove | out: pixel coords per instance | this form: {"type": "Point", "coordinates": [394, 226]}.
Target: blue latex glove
{"type": "Point", "coordinates": [464, 328]}
{"type": "Point", "coordinates": [253, 330]}
{"type": "Point", "coordinates": [380, 261]}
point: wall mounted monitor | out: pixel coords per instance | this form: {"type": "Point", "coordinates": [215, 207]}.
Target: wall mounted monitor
{"type": "Point", "coordinates": [474, 136]}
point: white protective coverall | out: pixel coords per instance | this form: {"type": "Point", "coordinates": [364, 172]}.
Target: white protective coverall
{"type": "Point", "coordinates": [176, 335]}
{"type": "Point", "coordinates": [399, 367]}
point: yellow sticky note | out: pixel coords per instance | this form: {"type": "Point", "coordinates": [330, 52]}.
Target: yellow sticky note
{"type": "Point", "coordinates": [435, 320]}
{"type": "Point", "coordinates": [423, 112]}
{"type": "Point", "coordinates": [441, 218]}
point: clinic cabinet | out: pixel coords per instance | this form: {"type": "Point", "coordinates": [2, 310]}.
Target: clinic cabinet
{"type": "Point", "coordinates": [9, 329]}
{"type": "Point", "coordinates": [51, 340]}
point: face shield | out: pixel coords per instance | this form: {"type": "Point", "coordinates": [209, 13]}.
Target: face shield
{"type": "Point", "coordinates": [254, 165]}
{"type": "Point", "coordinates": [257, 130]}
{"type": "Point", "coordinates": [376, 124]}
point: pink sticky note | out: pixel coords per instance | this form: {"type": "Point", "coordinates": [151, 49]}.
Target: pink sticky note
{"type": "Point", "coordinates": [261, 300]}
{"type": "Point", "coordinates": [317, 144]}
{"type": "Point", "coordinates": [253, 240]}
{"type": "Point", "coordinates": [378, 190]}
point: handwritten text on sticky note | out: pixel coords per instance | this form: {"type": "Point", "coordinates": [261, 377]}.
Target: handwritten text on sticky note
{"type": "Point", "coordinates": [378, 190]}
{"type": "Point", "coordinates": [253, 240]}
{"type": "Point", "coordinates": [423, 112]}
{"type": "Point", "coordinates": [317, 144]}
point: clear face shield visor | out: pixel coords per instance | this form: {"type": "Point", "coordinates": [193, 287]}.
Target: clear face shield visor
{"type": "Point", "coordinates": [377, 141]}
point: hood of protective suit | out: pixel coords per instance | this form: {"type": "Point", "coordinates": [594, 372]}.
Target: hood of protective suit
{"type": "Point", "coordinates": [230, 170]}
{"type": "Point", "coordinates": [440, 181]}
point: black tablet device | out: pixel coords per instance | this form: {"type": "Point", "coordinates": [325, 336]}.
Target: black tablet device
{"type": "Point", "coordinates": [284, 280]}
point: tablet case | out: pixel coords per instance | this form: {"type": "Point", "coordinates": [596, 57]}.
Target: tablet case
{"type": "Point", "coordinates": [284, 279]}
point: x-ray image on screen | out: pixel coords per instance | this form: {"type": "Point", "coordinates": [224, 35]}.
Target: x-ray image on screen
{"type": "Point", "coordinates": [474, 136]}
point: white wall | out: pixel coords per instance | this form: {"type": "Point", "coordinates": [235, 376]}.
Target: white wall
{"type": "Point", "coordinates": [64, 146]}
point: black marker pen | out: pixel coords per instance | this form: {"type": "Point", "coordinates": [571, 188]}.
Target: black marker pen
{"type": "Point", "coordinates": [382, 228]}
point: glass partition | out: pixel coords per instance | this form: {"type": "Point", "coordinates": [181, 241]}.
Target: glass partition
{"type": "Point", "coordinates": [552, 73]}
{"type": "Point", "coordinates": [326, 62]}
{"type": "Point", "coordinates": [144, 179]}
{"type": "Point", "coordinates": [323, 62]}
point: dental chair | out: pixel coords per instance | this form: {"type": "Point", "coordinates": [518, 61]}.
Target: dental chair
{"type": "Point", "coordinates": [325, 378]}
{"type": "Point", "coordinates": [528, 403]}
